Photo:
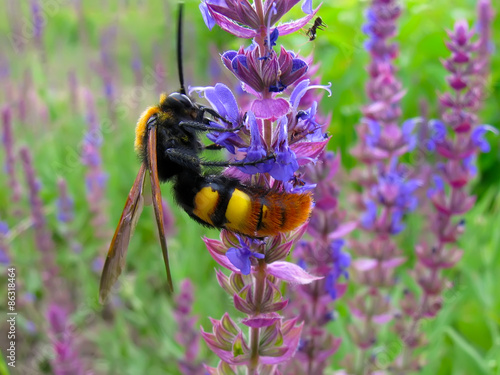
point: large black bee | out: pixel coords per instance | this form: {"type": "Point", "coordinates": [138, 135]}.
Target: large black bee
{"type": "Point", "coordinates": [168, 146]}
{"type": "Point", "coordinates": [317, 25]}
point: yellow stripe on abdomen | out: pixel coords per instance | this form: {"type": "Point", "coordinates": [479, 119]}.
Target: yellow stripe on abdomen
{"type": "Point", "coordinates": [238, 212]}
{"type": "Point", "coordinates": [205, 202]}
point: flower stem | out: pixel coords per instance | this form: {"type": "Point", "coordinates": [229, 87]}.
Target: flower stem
{"type": "Point", "coordinates": [260, 280]}
{"type": "Point", "coordinates": [260, 11]}
{"type": "Point", "coordinates": [268, 133]}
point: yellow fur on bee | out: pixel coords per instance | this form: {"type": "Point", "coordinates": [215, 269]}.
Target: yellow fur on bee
{"type": "Point", "coordinates": [238, 210]}
{"type": "Point", "coordinates": [141, 128]}
{"type": "Point", "coordinates": [205, 202]}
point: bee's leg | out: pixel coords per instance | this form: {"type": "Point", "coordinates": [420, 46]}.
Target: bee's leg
{"type": "Point", "coordinates": [188, 161]}
{"type": "Point", "coordinates": [206, 163]}
{"type": "Point", "coordinates": [193, 162]}
{"type": "Point", "coordinates": [197, 125]}
{"type": "Point", "coordinates": [213, 146]}
{"type": "Point", "coordinates": [210, 111]}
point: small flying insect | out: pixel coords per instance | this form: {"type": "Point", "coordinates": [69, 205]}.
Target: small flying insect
{"type": "Point", "coordinates": [168, 145]}
{"type": "Point", "coordinates": [317, 25]}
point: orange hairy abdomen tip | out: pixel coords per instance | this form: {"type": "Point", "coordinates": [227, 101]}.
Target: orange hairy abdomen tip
{"type": "Point", "coordinates": [285, 212]}
{"type": "Point", "coordinates": [267, 215]}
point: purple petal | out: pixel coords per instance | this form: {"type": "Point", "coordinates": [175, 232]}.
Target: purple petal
{"type": "Point", "coordinates": [291, 273]}
{"type": "Point", "coordinates": [305, 151]}
{"type": "Point", "coordinates": [383, 318]}
{"type": "Point", "coordinates": [223, 101]}
{"type": "Point", "coordinates": [364, 264]}
{"type": "Point", "coordinates": [262, 320]}
{"type": "Point", "coordinates": [270, 108]}
{"type": "Point", "coordinates": [229, 26]}
{"type": "Point", "coordinates": [290, 27]}
{"type": "Point", "coordinates": [207, 17]}
{"type": "Point", "coordinates": [290, 340]}
{"type": "Point", "coordinates": [4, 228]}
{"type": "Point", "coordinates": [477, 137]}
{"type": "Point", "coordinates": [299, 68]}
{"type": "Point", "coordinates": [394, 262]}
{"type": "Point", "coordinates": [4, 258]}
{"type": "Point", "coordinates": [307, 6]}
{"type": "Point", "coordinates": [239, 260]}
{"type": "Point", "coordinates": [298, 92]}
{"type": "Point", "coordinates": [342, 230]}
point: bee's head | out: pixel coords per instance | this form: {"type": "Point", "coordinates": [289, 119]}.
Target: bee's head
{"type": "Point", "coordinates": [180, 104]}
{"type": "Point", "coordinates": [174, 108]}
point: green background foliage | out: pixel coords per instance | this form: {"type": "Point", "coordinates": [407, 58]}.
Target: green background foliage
{"type": "Point", "coordinates": [137, 335]}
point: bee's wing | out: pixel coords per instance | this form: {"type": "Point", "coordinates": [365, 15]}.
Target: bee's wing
{"type": "Point", "coordinates": [156, 192]}
{"type": "Point", "coordinates": [115, 260]}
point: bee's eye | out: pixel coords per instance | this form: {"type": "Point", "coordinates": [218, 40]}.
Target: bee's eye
{"type": "Point", "coordinates": [176, 100]}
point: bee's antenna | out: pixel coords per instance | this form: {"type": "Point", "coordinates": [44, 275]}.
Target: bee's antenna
{"type": "Point", "coordinates": [179, 49]}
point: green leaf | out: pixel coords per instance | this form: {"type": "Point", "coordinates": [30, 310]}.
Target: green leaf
{"type": "Point", "coordinates": [468, 350]}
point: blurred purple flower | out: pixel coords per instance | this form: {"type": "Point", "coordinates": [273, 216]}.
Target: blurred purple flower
{"type": "Point", "coordinates": [323, 256]}
{"type": "Point", "coordinates": [4, 248]}
{"type": "Point", "coordinates": [478, 137]}
{"type": "Point", "coordinates": [43, 237]}
{"type": "Point", "coordinates": [341, 261]}
{"type": "Point", "coordinates": [38, 21]}
{"type": "Point", "coordinates": [65, 204]}
{"type": "Point", "coordinates": [66, 360]}
{"type": "Point", "coordinates": [187, 335]}
{"type": "Point", "coordinates": [10, 159]}
{"type": "Point", "coordinates": [387, 191]}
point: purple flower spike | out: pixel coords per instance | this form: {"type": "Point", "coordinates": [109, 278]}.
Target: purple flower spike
{"type": "Point", "coordinates": [386, 193]}
{"type": "Point", "coordinates": [322, 255]}
{"type": "Point", "coordinates": [187, 335]}
{"type": "Point", "coordinates": [277, 138]}
{"type": "Point", "coordinates": [455, 139]}
{"type": "Point", "coordinates": [43, 236]}
{"type": "Point", "coordinates": [66, 360]}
